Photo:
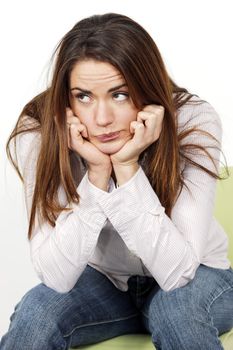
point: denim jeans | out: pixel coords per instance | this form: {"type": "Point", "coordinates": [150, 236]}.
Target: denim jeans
{"type": "Point", "coordinates": [187, 318]}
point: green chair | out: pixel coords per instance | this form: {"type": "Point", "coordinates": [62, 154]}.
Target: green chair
{"type": "Point", "coordinates": [224, 214]}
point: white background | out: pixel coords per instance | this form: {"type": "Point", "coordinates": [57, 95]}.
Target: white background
{"type": "Point", "coordinates": [195, 39]}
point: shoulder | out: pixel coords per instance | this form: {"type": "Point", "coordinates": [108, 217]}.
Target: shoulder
{"type": "Point", "coordinates": [26, 128]}
{"type": "Point", "coordinates": [196, 111]}
{"type": "Point", "coordinates": [26, 145]}
{"type": "Point", "coordinates": [199, 114]}
{"type": "Point", "coordinates": [27, 148]}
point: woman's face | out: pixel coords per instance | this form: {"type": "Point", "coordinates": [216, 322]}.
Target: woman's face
{"type": "Point", "coordinates": [99, 98]}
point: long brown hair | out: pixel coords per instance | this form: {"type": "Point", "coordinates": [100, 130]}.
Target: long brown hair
{"type": "Point", "coordinates": [122, 42]}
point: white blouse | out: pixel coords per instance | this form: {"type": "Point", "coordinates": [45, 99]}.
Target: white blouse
{"type": "Point", "coordinates": [125, 231]}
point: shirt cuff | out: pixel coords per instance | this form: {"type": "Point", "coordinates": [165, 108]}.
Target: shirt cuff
{"type": "Point", "coordinates": [88, 208]}
{"type": "Point", "coordinates": [127, 202]}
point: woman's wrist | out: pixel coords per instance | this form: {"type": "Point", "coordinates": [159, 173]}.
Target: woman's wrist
{"type": "Point", "coordinates": [99, 176]}
{"type": "Point", "coordinates": [124, 172]}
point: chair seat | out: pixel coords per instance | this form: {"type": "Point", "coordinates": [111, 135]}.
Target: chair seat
{"type": "Point", "coordinates": [129, 342]}
{"type": "Point", "coordinates": [143, 342]}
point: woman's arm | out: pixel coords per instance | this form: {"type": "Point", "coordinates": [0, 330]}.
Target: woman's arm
{"type": "Point", "coordinates": [171, 249]}
{"type": "Point", "coordinates": [59, 254]}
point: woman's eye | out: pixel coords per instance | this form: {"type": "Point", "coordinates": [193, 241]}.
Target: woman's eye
{"type": "Point", "coordinates": [83, 98]}
{"type": "Point", "coordinates": [121, 96]}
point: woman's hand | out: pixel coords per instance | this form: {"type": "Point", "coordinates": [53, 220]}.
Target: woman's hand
{"type": "Point", "coordinates": [146, 130]}
{"type": "Point", "coordinates": [99, 164]}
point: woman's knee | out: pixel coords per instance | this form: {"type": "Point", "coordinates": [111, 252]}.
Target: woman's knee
{"type": "Point", "coordinates": [184, 313]}
{"type": "Point", "coordinates": [176, 324]}
{"type": "Point", "coordinates": [221, 311]}
{"type": "Point", "coordinates": [36, 305]}
{"type": "Point", "coordinates": [35, 322]}
{"type": "Point", "coordinates": [169, 309]}
{"type": "Point", "coordinates": [194, 299]}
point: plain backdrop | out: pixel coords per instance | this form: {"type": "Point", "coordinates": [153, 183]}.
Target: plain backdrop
{"type": "Point", "coordinates": [195, 39]}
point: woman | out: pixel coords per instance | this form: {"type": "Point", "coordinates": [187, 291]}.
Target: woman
{"type": "Point", "coordinates": [119, 166]}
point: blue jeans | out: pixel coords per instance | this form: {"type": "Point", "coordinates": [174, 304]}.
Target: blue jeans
{"type": "Point", "coordinates": [187, 318]}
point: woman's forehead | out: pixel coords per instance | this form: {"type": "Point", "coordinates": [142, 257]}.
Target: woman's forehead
{"type": "Point", "coordinates": [95, 73]}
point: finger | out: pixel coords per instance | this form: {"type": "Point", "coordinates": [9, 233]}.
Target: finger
{"type": "Point", "coordinates": [71, 117]}
{"type": "Point", "coordinates": [84, 132]}
{"type": "Point", "coordinates": [69, 112]}
{"type": "Point", "coordinates": [133, 126]}
{"type": "Point", "coordinates": [153, 123]}
{"type": "Point", "coordinates": [151, 112]}
{"type": "Point", "coordinates": [154, 108]}
{"type": "Point", "coordinates": [73, 120]}
{"type": "Point", "coordinates": [72, 133]}
{"type": "Point", "coordinates": [151, 120]}
{"type": "Point", "coordinates": [146, 117]}
{"type": "Point", "coordinates": [75, 132]}
{"type": "Point", "coordinates": [137, 128]}
{"type": "Point", "coordinates": [82, 129]}
{"type": "Point", "coordinates": [78, 133]}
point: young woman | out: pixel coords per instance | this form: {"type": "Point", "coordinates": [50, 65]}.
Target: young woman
{"type": "Point", "coordinates": [119, 166]}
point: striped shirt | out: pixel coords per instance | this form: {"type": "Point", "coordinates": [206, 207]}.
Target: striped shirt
{"type": "Point", "coordinates": [125, 231]}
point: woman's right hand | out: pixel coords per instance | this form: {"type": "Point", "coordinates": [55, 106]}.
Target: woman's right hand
{"type": "Point", "coordinates": [99, 164]}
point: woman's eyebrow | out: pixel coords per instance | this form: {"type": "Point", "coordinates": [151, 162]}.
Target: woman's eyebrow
{"type": "Point", "coordinates": [90, 93]}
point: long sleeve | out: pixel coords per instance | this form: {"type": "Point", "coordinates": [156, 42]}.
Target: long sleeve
{"type": "Point", "coordinates": [59, 254]}
{"type": "Point", "coordinates": [170, 248]}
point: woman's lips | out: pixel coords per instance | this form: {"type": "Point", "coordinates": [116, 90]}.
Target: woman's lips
{"type": "Point", "coordinates": [108, 137]}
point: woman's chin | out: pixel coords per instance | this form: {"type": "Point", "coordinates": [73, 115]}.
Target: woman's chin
{"type": "Point", "coordinates": [110, 147]}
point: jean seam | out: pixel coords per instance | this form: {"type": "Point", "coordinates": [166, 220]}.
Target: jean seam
{"type": "Point", "coordinates": [211, 325]}
{"type": "Point", "coordinates": [101, 322]}
{"type": "Point", "coordinates": [208, 308]}
{"type": "Point", "coordinates": [219, 295]}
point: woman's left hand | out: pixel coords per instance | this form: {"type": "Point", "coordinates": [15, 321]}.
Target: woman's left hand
{"type": "Point", "coordinates": [146, 130]}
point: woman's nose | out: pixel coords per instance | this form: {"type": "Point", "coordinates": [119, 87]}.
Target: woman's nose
{"type": "Point", "coordinates": [103, 114]}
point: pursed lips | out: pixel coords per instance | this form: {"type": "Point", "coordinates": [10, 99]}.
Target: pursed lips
{"type": "Point", "coordinates": [109, 136]}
